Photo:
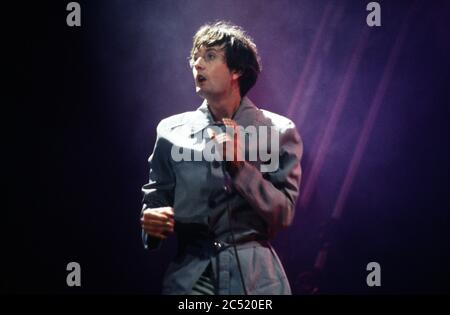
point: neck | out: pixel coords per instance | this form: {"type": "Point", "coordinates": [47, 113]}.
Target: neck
{"type": "Point", "coordinates": [225, 106]}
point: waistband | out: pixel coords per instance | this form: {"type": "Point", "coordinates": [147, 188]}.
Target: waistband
{"type": "Point", "coordinates": [208, 247]}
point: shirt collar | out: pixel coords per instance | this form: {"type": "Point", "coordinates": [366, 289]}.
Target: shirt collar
{"type": "Point", "coordinates": [244, 115]}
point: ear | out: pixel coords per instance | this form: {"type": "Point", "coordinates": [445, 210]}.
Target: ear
{"type": "Point", "coordinates": [236, 74]}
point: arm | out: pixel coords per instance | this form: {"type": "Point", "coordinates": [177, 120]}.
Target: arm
{"type": "Point", "coordinates": [273, 194]}
{"type": "Point", "coordinates": [158, 192]}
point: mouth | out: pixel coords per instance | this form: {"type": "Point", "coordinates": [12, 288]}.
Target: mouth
{"type": "Point", "coordinates": [200, 78]}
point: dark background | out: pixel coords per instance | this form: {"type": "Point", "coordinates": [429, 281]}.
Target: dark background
{"type": "Point", "coordinates": [86, 102]}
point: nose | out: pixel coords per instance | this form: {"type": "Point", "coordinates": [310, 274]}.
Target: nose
{"type": "Point", "coordinates": [199, 63]}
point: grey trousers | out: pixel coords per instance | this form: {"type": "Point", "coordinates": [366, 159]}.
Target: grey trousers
{"type": "Point", "coordinates": [205, 284]}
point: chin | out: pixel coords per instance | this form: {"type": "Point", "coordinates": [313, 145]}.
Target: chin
{"type": "Point", "coordinates": [200, 92]}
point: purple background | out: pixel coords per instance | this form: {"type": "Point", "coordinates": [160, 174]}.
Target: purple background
{"type": "Point", "coordinates": [371, 104]}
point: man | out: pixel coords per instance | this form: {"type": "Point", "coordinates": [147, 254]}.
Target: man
{"type": "Point", "coordinates": [224, 204]}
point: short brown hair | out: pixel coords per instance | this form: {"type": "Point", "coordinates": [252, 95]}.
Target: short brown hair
{"type": "Point", "coordinates": [240, 50]}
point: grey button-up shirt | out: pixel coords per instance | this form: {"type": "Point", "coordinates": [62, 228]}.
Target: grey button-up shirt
{"type": "Point", "coordinates": [213, 210]}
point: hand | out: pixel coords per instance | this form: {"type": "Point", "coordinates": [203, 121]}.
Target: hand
{"type": "Point", "coordinates": [158, 222]}
{"type": "Point", "coordinates": [232, 140]}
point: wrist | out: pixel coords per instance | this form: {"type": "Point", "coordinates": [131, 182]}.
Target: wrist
{"type": "Point", "coordinates": [233, 167]}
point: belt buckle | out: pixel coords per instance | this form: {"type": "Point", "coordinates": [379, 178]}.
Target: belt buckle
{"type": "Point", "coordinates": [217, 245]}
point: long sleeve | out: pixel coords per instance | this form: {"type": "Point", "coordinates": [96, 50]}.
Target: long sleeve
{"type": "Point", "coordinates": [274, 194]}
{"type": "Point", "coordinates": [158, 192]}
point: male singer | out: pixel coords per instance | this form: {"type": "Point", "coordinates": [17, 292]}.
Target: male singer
{"type": "Point", "coordinates": [223, 203]}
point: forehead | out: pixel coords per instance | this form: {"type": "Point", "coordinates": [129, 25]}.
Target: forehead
{"type": "Point", "coordinates": [203, 48]}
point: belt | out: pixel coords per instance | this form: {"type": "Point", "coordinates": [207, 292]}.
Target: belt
{"type": "Point", "coordinates": [202, 247]}
{"type": "Point", "coordinates": [221, 245]}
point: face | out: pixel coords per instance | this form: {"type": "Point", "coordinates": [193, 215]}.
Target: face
{"type": "Point", "coordinates": [211, 74]}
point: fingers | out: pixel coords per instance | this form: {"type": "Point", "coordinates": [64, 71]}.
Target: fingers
{"type": "Point", "coordinates": [158, 222]}
{"type": "Point", "coordinates": [229, 122]}
{"type": "Point", "coordinates": [168, 210]}
{"type": "Point", "coordinates": [162, 213]}
{"type": "Point", "coordinates": [157, 230]}
{"type": "Point", "coordinates": [229, 146]}
{"type": "Point", "coordinates": [160, 232]}
{"type": "Point", "coordinates": [223, 137]}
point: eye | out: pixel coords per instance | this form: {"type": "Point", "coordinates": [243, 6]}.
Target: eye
{"type": "Point", "coordinates": [192, 60]}
{"type": "Point", "coordinates": [210, 56]}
